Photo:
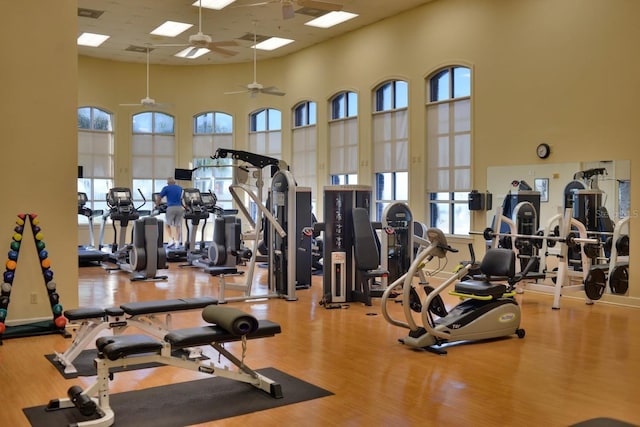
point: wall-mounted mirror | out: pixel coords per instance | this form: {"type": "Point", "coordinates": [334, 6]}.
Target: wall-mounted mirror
{"type": "Point", "coordinates": [599, 194]}
{"type": "Point", "coordinates": [552, 179]}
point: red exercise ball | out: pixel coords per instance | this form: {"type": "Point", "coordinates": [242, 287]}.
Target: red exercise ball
{"type": "Point", "coordinates": [60, 322]}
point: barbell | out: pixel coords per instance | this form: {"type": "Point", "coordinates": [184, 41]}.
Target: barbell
{"type": "Point", "coordinates": [572, 238]}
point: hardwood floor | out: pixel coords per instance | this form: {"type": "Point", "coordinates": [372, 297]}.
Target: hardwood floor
{"type": "Point", "coordinates": [576, 363]}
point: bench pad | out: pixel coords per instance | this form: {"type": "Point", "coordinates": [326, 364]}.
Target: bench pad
{"type": "Point", "coordinates": [481, 288]}
{"type": "Point", "coordinates": [119, 346]}
{"type": "Point", "coordinates": [84, 313]}
{"type": "Point", "coordinates": [205, 335]}
{"type": "Point", "coordinates": [150, 307]}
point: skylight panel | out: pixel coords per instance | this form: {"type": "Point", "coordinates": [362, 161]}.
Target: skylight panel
{"type": "Point", "coordinates": [213, 4]}
{"type": "Point", "coordinates": [91, 39]}
{"type": "Point", "coordinates": [273, 43]}
{"type": "Point", "coordinates": [171, 29]}
{"type": "Point", "coordinates": [330, 19]}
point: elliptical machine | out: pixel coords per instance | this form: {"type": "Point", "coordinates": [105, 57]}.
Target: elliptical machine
{"type": "Point", "coordinates": [488, 309]}
{"type": "Point", "coordinates": [225, 252]}
{"type": "Point", "coordinates": [145, 255]}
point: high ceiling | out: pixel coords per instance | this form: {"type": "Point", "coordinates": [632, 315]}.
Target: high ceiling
{"type": "Point", "coordinates": [129, 22]}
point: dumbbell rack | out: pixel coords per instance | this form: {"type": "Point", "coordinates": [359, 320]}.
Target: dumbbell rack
{"type": "Point", "coordinates": [58, 323]}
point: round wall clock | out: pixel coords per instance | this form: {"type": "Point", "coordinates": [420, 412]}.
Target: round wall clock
{"type": "Point", "coordinates": [543, 151]}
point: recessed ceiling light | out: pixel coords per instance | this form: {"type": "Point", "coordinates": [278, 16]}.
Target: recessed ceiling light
{"type": "Point", "coordinates": [91, 39]}
{"type": "Point", "coordinates": [171, 29]}
{"type": "Point", "coordinates": [273, 43]}
{"type": "Point", "coordinates": [330, 19]}
{"type": "Point", "coordinates": [192, 52]}
{"type": "Point", "coordinates": [213, 4]}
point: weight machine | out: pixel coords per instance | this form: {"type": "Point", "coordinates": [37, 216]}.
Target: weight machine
{"type": "Point", "coordinates": [571, 239]}
{"type": "Point", "coordinates": [519, 215]}
{"type": "Point", "coordinates": [279, 223]}
{"type": "Point", "coordinates": [397, 241]}
{"type": "Point", "coordinates": [339, 269]}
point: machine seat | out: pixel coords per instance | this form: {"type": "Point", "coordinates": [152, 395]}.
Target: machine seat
{"type": "Point", "coordinates": [497, 267]}
{"type": "Point", "coordinates": [366, 253]}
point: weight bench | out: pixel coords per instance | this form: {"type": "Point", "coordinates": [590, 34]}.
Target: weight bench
{"type": "Point", "coordinates": [145, 315]}
{"type": "Point", "coordinates": [228, 324]}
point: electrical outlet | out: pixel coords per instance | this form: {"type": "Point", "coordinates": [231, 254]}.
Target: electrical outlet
{"type": "Point", "coordinates": [34, 298]}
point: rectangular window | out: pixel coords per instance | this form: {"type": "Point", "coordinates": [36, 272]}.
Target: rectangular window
{"type": "Point", "coordinates": [391, 152]}
{"type": "Point", "coordinates": [449, 149]}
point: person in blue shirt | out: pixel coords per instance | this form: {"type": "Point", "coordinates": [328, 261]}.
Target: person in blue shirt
{"type": "Point", "coordinates": [172, 192]}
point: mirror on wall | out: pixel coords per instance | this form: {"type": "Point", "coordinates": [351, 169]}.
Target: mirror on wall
{"type": "Point", "coordinates": [553, 179]}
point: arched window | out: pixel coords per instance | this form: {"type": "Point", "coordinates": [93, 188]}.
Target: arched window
{"type": "Point", "coordinates": [213, 130]}
{"type": "Point", "coordinates": [390, 144]}
{"type": "Point", "coordinates": [449, 148]}
{"type": "Point", "coordinates": [153, 152]}
{"type": "Point", "coordinates": [343, 139]}
{"type": "Point", "coordinates": [265, 137]}
{"type": "Point", "coordinates": [95, 156]}
{"type": "Point", "coordinates": [305, 143]}
{"type": "Point", "coordinates": [265, 132]}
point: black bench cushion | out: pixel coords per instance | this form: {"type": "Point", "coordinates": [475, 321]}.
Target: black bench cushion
{"type": "Point", "coordinates": [205, 335]}
{"type": "Point", "coordinates": [365, 248]}
{"type": "Point", "coordinates": [162, 306]}
{"type": "Point", "coordinates": [119, 346]}
{"type": "Point", "coordinates": [217, 271]}
{"type": "Point", "coordinates": [84, 313]}
{"type": "Point", "coordinates": [481, 288]}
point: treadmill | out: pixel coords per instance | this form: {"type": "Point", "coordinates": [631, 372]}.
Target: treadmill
{"type": "Point", "coordinates": [176, 254]}
{"type": "Point", "coordinates": [88, 255]}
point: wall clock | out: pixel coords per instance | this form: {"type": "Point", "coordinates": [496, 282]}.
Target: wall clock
{"type": "Point", "coordinates": [543, 150]}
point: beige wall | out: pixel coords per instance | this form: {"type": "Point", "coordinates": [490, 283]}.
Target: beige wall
{"type": "Point", "coordinates": [39, 146]}
{"type": "Point", "coordinates": [557, 71]}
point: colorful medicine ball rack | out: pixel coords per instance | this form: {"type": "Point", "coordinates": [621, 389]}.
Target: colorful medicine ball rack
{"type": "Point", "coordinates": [59, 321]}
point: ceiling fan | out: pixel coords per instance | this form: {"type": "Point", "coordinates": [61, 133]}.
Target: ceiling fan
{"type": "Point", "coordinates": [288, 11]}
{"type": "Point", "coordinates": [203, 41]}
{"type": "Point", "coordinates": [147, 101]}
{"type": "Point", "coordinates": [254, 87]}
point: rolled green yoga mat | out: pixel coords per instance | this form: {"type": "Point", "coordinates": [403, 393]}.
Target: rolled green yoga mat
{"type": "Point", "coordinates": [231, 319]}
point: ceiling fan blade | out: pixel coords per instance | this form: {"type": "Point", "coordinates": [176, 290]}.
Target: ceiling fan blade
{"type": "Point", "coordinates": [192, 52]}
{"type": "Point", "coordinates": [171, 45]}
{"type": "Point", "coordinates": [225, 43]}
{"type": "Point", "coordinates": [272, 90]}
{"type": "Point", "coordinates": [236, 92]}
{"type": "Point", "coordinates": [320, 5]}
{"type": "Point", "coordinates": [221, 51]}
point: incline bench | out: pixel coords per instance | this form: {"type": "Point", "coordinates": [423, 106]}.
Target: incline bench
{"type": "Point", "coordinates": [229, 324]}
{"type": "Point", "coordinates": [153, 317]}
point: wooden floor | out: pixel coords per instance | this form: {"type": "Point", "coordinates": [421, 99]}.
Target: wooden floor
{"type": "Point", "coordinates": [577, 363]}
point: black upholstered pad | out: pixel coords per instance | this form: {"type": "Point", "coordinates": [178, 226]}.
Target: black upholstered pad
{"type": "Point", "coordinates": [231, 319]}
{"type": "Point", "coordinates": [205, 335]}
{"type": "Point", "coordinates": [84, 313]}
{"type": "Point", "coordinates": [162, 306]}
{"type": "Point", "coordinates": [365, 248]}
{"type": "Point", "coordinates": [114, 311]}
{"type": "Point", "coordinates": [481, 288]}
{"type": "Point", "coordinates": [217, 271]}
{"type": "Point", "coordinates": [498, 262]}
{"type": "Point", "coordinates": [375, 273]}
{"type": "Point", "coordinates": [119, 346]}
